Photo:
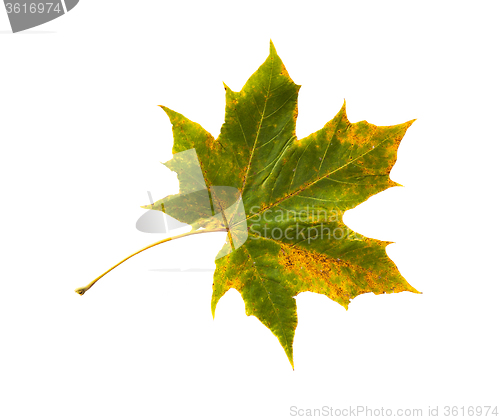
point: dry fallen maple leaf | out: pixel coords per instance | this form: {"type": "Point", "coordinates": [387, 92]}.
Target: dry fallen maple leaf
{"type": "Point", "coordinates": [281, 200]}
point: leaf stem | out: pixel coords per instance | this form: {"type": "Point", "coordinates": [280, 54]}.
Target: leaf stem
{"type": "Point", "coordinates": [82, 290]}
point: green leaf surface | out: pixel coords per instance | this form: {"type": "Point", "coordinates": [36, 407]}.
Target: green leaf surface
{"type": "Point", "coordinates": [282, 200]}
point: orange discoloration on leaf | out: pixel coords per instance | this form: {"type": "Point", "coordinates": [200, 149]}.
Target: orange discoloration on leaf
{"type": "Point", "coordinates": [330, 276]}
{"type": "Point", "coordinates": [284, 71]}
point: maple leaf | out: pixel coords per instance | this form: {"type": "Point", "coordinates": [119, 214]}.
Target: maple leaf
{"type": "Point", "coordinates": [281, 200]}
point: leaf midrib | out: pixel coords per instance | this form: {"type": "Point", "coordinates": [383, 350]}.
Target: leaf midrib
{"type": "Point", "coordinates": [260, 126]}
{"type": "Point", "coordinates": [272, 302]}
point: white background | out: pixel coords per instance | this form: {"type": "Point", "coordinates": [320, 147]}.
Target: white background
{"type": "Point", "coordinates": [82, 140]}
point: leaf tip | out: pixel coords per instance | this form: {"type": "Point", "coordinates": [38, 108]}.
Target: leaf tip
{"type": "Point", "coordinates": [409, 123]}
{"type": "Point", "coordinates": [289, 355]}
{"type": "Point", "coordinates": [394, 184]}
{"type": "Point", "coordinates": [272, 48]}
{"type": "Point", "coordinates": [168, 111]}
{"type": "Point", "coordinates": [290, 359]}
{"type": "Point", "coordinates": [342, 108]}
{"type": "Point", "coordinates": [409, 288]}
{"type": "Point", "coordinates": [413, 290]}
{"type": "Point", "coordinates": [213, 307]}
